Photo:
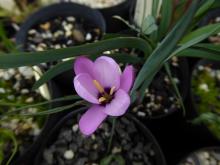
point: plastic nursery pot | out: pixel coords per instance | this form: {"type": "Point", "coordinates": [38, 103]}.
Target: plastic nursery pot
{"type": "Point", "coordinates": [159, 100]}
{"type": "Point", "coordinates": [204, 90]}
{"type": "Point", "coordinates": [124, 10]}
{"type": "Point", "coordinates": [64, 24]}
{"type": "Point", "coordinates": [207, 156]}
{"type": "Point", "coordinates": [30, 153]}
{"type": "Point", "coordinates": [66, 145]}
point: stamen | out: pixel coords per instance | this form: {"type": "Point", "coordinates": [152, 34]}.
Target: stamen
{"type": "Point", "coordinates": [102, 99]}
{"type": "Point", "coordinates": [112, 90]}
{"type": "Point", "coordinates": [98, 86]}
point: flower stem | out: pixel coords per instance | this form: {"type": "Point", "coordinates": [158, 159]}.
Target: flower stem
{"type": "Point", "coordinates": [112, 134]}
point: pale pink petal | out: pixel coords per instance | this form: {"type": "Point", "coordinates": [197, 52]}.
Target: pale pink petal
{"type": "Point", "coordinates": [127, 78]}
{"type": "Point", "coordinates": [107, 72]}
{"type": "Point", "coordinates": [85, 88]}
{"type": "Point", "coordinates": [119, 104]}
{"type": "Point", "coordinates": [91, 120]}
{"type": "Point", "coordinates": [83, 65]}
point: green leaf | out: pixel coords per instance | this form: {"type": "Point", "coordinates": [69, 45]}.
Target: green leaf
{"type": "Point", "coordinates": [108, 159]}
{"type": "Point", "coordinates": [126, 23]}
{"type": "Point", "coordinates": [54, 110]}
{"type": "Point", "coordinates": [51, 73]}
{"type": "Point", "coordinates": [149, 25]}
{"type": "Point", "coordinates": [155, 8]}
{"type": "Point", "coordinates": [34, 58]}
{"type": "Point", "coordinates": [164, 50]}
{"type": "Point", "coordinates": [193, 52]}
{"type": "Point", "coordinates": [216, 4]}
{"type": "Point", "coordinates": [204, 8]}
{"type": "Point", "coordinates": [175, 87]}
{"type": "Point", "coordinates": [201, 33]}
{"type": "Point", "coordinates": [197, 36]}
{"type": "Point", "coordinates": [166, 17]}
{"type": "Point", "coordinates": [213, 47]}
{"type": "Point", "coordinates": [8, 134]}
{"type": "Point", "coordinates": [60, 99]}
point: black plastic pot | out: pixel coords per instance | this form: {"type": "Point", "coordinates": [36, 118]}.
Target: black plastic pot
{"type": "Point", "coordinates": [177, 135]}
{"type": "Point", "coordinates": [92, 17]}
{"type": "Point", "coordinates": [124, 10]}
{"type": "Point", "coordinates": [214, 65]}
{"type": "Point", "coordinates": [182, 72]}
{"type": "Point", "coordinates": [195, 159]}
{"type": "Point", "coordinates": [31, 151]}
{"type": "Point", "coordinates": [160, 160]}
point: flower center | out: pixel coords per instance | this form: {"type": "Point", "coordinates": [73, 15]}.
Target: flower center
{"type": "Point", "coordinates": [104, 97]}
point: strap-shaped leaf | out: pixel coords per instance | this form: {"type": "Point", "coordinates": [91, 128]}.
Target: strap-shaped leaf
{"type": "Point", "coordinates": [213, 47]}
{"type": "Point", "coordinates": [197, 36]}
{"type": "Point", "coordinates": [60, 99]}
{"type": "Point", "coordinates": [164, 50]}
{"type": "Point", "coordinates": [53, 110]}
{"type": "Point", "coordinates": [8, 134]}
{"type": "Point", "coordinates": [204, 8]}
{"type": "Point", "coordinates": [155, 7]}
{"type": "Point", "coordinates": [200, 53]}
{"type": "Point", "coordinates": [201, 33]}
{"type": "Point", "coordinates": [53, 72]}
{"type": "Point", "coordinates": [166, 16]}
{"type": "Point", "coordinates": [34, 58]}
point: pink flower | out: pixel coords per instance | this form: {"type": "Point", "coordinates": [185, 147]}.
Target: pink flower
{"type": "Point", "coordinates": [102, 84]}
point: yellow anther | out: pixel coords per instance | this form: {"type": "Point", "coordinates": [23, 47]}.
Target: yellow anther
{"type": "Point", "coordinates": [102, 99]}
{"type": "Point", "coordinates": [98, 86]}
{"type": "Point", "coordinates": [112, 90]}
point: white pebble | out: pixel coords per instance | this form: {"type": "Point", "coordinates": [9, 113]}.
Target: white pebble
{"type": "Point", "coordinates": [142, 114]}
{"type": "Point", "coordinates": [26, 71]}
{"type": "Point", "coordinates": [29, 100]}
{"type": "Point", "coordinates": [71, 19]}
{"type": "Point", "coordinates": [75, 127]}
{"type": "Point", "coordinates": [204, 87]}
{"type": "Point", "coordinates": [2, 90]}
{"type": "Point", "coordinates": [88, 36]}
{"type": "Point", "coordinates": [24, 91]}
{"type": "Point", "coordinates": [201, 67]}
{"type": "Point", "coordinates": [68, 154]}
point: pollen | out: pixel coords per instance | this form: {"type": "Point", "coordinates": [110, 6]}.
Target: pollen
{"type": "Point", "coordinates": [102, 99]}
{"type": "Point", "coordinates": [112, 90]}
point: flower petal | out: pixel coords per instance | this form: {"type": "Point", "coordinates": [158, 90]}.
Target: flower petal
{"type": "Point", "coordinates": [110, 61]}
{"type": "Point", "coordinates": [84, 87]}
{"type": "Point", "coordinates": [91, 120]}
{"type": "Point", "coordinates": [119, 104]}
{"type": "Point", "coordinates": [127, 78]}
{"type": "Point", "coordinates": [107, 72]}
{"type": "Point", "coordinates": [83, 65]}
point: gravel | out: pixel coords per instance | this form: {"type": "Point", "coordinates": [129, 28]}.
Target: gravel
{"type": "Point", "coordinates": [203, 157]}
{"type": "Point", "coordinates": [71, 147]}
{"type": "Point", "coordinates": [160, 97]}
